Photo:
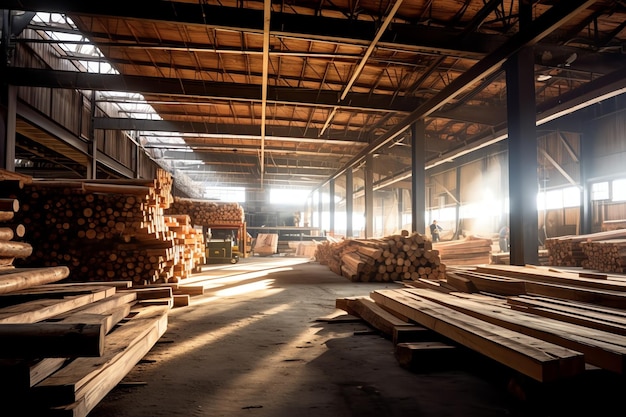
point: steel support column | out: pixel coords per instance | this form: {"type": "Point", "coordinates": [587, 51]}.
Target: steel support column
{"type": "Point", "coordinates": [320, 209]}
{"type": "Point", "coordinates": [522, 158]}
{"type": "Point", "coordinates": [331, 206]}
{"type": "Point", "coordinates": [418, 181]}
{"type": "Point", "coordinates": [586, 150]}
{"type": "Point", "coordinates": [400, 205]}
{"type": "Point", "coordinates": [7, 127]}
{"type": "Point", "coordinates": [349, 203]}
{"type": "Point", "coordinates": [369, 196]}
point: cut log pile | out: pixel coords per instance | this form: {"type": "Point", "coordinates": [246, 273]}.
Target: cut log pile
{"type": "Point", "coordinates": [467, 251]}
{"type": "Point", "coordinates": [105, 229]}
{"type": "Point", "coordinates": [397, 257]}
{"type": "Point", "coordinates": [545, 323]}
{"type": "Point", "coordinates": [568, 250]}
{"type": "Point", "coordinates": [206, 212]}
{"type": "Point", "coordinates": [605, 255]}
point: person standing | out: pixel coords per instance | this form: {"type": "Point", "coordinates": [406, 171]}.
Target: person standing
{"type": "Point", "coordinates": [434, 231]}
{"type": "Point", "coordinates": [504, 239]}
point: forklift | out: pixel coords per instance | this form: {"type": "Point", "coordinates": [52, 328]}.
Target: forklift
{"type": "Point", "coordinates": [221, 245]}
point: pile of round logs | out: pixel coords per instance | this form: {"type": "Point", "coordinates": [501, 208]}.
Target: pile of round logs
{"type": "Point", "coordinates": [605, 255]}
{"type": "Point", "coordinates": [589, 251]}
{"type": "Point", "coordinates": [398, 257]}
{"type": "Point", "coordinates": [104, 229]}
{"type": "Point", "coordinates": [206, 212]}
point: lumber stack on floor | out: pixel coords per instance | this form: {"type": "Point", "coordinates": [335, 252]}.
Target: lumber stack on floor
{"type": "Point", "coordinates": [467, 251]}
{"type": "Point", "coordinates": [397, 257]}
{"type": "Point", "coordinates": [105, 229]}
{"type": "Point", "coordinates": [568, 250]}
{"type": "Point", "coordinates": [66, 345]}
{"type": "Point", "coordinates": [504, 258]}
{"type": "Point", "coordinates": [541, 322]}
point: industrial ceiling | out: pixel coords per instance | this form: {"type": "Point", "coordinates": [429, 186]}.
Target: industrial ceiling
{"type": "Point", "coordinates": [261, 94]}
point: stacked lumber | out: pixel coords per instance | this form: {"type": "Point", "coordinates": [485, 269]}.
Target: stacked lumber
{"type": "Point", "coordinates": [504, 258]}
{"type": "Point", "coordinates": [568, 251]}
{"type": "Point", "coordinates": [396, 257]}
{"type": "Point", "coordinates": [66, 345]}
{"type": "Point", "coordinates": [207, 213]}
{"type": "Point", "coordinates": [191, 240]}
{"type": "Point", "coordinates": [613, 225]}
{"type": "Point", "coordinates": [467, 251]}
{"type": "Point", "coordinates": [265, 244]}
{"type": "Point", "coordinates": [544, 323]}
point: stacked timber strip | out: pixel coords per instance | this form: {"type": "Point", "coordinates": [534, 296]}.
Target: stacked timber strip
{"type": "Point", "coordinates": [103, 230]}
{"type": "Point", "coordinates": [468, 251]}
{"type": "Point", "coordinates": [64, 346]}
{"type": "Point", "coordinates": [206, 212]}
{"type": "Point", "coordinates": [568, 250]}
{"type": "Point", "coordinates": [545, 323]}
{"type": "Point", "coordinates": [395, 257]}
{"type": "Point", "coordinates": [613, 225]}
{"type": "Point", "coordinates": [192, 242]}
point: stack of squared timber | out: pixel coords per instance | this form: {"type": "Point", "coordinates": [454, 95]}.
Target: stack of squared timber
{"type": "Point", "coordinates": [207, 213]}
{"type": "Point", "coordinates": [542, 322]}
{"type": "Point", "coordinates": [568, 250]}
{"type": "Point", "coordinates": [395, 257]}
{"type": "Point", "coordinates": [192, 242]}
{"type": "Point", "coordinates": [467, 251]}
{"type": "Point", "coordinates": [64, 346]}
{"type": "Point", "coordinates": [102, 229]}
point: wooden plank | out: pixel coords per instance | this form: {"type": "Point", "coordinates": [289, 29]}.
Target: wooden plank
{"type": "Point", "coordinates": [602, 349]}
{"type": "Point", "coordinates": [375, 315]}
{"type": "Point", "coordinates": [42, 309]}
{"type": "Point", "coordinates": [427, 356]}
{"type": "Point", "coordinates": [124, 347]}
{"type": "Point", "coordinates": [534, 273]}
{"type": "Point", "coordinates": [540, 360]}
{"type": "Point", "coordinates": [20, 375]}
{"type": "Point", "coordinates": [605, 322]}
{"type": "Point", "coordinates": [51, 340]}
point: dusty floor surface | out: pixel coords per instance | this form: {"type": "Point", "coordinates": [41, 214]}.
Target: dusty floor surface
{"type": "Point", "coordinates": [252, 346]}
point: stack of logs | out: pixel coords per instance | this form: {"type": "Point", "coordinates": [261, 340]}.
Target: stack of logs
{"type": "Point", "coordinates": [396, 257]}
{"type": "Point", "coordinates": [605, 255]}
{"type": "Point", "coordinates": [105, 229]}
{"type": "Point", "coordinates": [591, 251]}
{"type": "Point", "coordinates": [207, 213]}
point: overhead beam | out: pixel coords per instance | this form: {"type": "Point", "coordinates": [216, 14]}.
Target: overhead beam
{"type": "Point", "coordinates": [541, 27]}
{"type": "Point", "coordinates": [400, 36]}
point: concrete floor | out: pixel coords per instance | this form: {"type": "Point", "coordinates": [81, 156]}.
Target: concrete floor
{"type": "Point", "coordinates": [252, 345]}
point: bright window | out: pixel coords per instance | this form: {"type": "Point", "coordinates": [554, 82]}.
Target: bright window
{"type": "Point", "coordinates": [289, 196]}
{"type": "Point", "coordinates": [571, 197]}
{"type": "Point", "coordinates": [600, 191]}
{"type": "Point", "coordinates": [230, 194]}
{"type": "Point", "coordinates": [619, 190]}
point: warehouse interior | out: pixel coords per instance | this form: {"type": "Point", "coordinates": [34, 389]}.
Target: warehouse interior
{"type": "Point", "coordinates": [334, 126]}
